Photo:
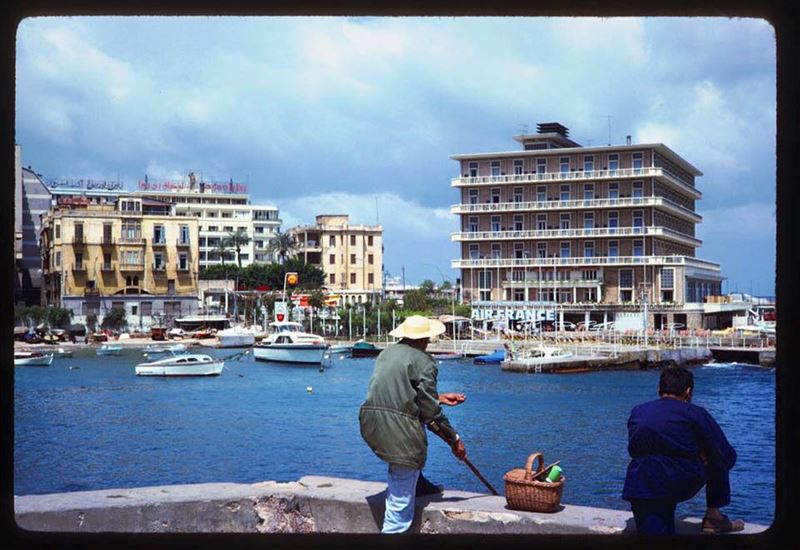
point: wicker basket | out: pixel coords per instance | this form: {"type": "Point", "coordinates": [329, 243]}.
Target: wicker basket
{"type": "Point", "coordinates": [523, 492]}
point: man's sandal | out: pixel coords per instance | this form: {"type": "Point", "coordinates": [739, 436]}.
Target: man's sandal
{"type": "Point", "coordinates": [723, 525]}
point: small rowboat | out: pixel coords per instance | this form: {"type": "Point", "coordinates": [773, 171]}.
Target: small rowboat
{"type": "Point", "coordinates": [32, 359]}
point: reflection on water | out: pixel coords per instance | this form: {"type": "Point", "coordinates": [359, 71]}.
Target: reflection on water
{"type": "Point", "coordinates": [100, 426]}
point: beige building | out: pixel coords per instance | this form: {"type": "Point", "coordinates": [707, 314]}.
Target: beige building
{"type": "Point", "coordinates": [131, 252]}
{"type": "Point", "coordinates": [351, 256]}
{"type": "Point", "coordinates": [592, 233]}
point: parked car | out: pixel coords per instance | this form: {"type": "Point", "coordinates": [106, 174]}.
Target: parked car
{"type": "Point", "coordinates": [608, 325]}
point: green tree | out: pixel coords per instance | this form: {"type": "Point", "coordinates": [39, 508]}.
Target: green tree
{"type": "Point", "coordinates": [428, 286]}
{"type": "Point", "coordinates": [91, 322]}
{"type": "Point", "coordinates": [416, 300]}
{"type": "Point", "coordinates": [115, 319]}
{"type": "Point", "coordinates": [58, 317]}
{"type": "Point", "coordinates": [282, 244]}
{"type": "Point", "coordinates": [237, 239]}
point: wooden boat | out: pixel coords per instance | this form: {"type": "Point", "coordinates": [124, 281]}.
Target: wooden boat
{"type": "Point", "coordinates": [32, 359]}
{"type": "Point", "coordinates": [195, 364]}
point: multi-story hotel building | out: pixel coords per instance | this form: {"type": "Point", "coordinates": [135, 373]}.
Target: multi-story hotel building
{"type": "Point", "coordinates": [590, 232]}
{"type": "Point", "coordinates": [220, 209]}
{"type": "Point", "coordinates": [351, 256]}
{"type": "Point", "coordinates": [130, 252]}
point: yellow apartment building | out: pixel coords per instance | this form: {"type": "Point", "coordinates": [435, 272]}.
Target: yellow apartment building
{"type": "Point", "coordinates": [130, 252]}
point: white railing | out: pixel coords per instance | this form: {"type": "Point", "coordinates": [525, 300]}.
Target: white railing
{"type": "Point", "coordinates": [594, 175]}
{"type": "Point", "coordinates": [476, 263]}
{"type": "Point", "coordinates": [544, 283]}
{"type": "Point", "coordinates": [591, 204]}
{"type": "Point", "coordinates": [650, 231]}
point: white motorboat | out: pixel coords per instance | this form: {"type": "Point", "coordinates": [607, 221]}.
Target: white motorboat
{"type": "Point", "coordinates": [61, 352]}
{"type": "Point", "coordinates": [32, 359]}
{"type": "Point", "coordinates": [541, 355]}
{"type": "Point", "coordinates": [289, 344]}
{"type": "Point", "coordinates": [236, 337]}
{"type": "Point", "coordinates": [109, 349]}
{"type": "Point", "coordinates": [194, 364]}
{"type": "Point", "coordinates": [447, 355]}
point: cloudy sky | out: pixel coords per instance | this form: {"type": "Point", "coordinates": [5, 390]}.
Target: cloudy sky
{"type": "Point", "coordinates": [361, 115]}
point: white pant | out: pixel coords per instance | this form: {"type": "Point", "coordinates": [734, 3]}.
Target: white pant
{"type": "Point", "coordinates": [400, 495]}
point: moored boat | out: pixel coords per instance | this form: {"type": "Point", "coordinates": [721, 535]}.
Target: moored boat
{"type": "Point", "coordinates": [109, 349]}
{"type": "Point", "coordinates": [541, 355]}
{"type": "Point", "coordinates": [364, 349]}
{"type": "Point", "coordinates": [32, 359]}
{"type": "Point", "coordinates": [447, 355]}
{"type": "Point", "coordinates": [235, 337]}
{"type": "Point", "coordinates": [61, 352]}
{"type": "Point", "coordinates": [155, 349]}
{"type": "Point", "coordinates": [195, 364]}
{"type": "Point", "coordinates": [289, 344]}
{"type": "Point", "coordinates": [497, 356]}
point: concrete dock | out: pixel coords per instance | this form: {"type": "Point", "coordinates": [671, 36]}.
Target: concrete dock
{"type": "Point", "coordinates": [313, 504]}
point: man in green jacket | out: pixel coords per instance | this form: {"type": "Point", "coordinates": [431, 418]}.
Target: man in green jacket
{"type": "Point", "coordinates": [402, 400]}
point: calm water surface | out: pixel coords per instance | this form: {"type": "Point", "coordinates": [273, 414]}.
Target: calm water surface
{"type": "Point", "coordinates": [99, 426]}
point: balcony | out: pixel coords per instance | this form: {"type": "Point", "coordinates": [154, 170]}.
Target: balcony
{"type": "Point", "coordinates": [184, 269]}
{"type": "Point", "coordinates": [594, 175]}
{"type": "Point", "coordinates": [107, 240]}
{"type": "Point", "coordinates": [79, 266]}
{"type": "Point", "coordinates": [138, 241]}
{"type": "Point", "coordinates": [131, 266]}
{"type": "Point", "coordinates": [597, 232]}
{"type": "Point", "coordinates": [582, 261]}
{"type": "Point", "coordinates": [107, 266]}
{"type": "Point", "coordinates": [159, 268]}
{"type": "Point", "coordinates": [158, 243]}
{"type": "Point", "coordinates": [580, 204]}
{"type": "Point", "coordinates": [183, 243]}
{"type": "Point", "coordinates": [558, 283]}
{"type": "Point", "coordinates": [78, 239]}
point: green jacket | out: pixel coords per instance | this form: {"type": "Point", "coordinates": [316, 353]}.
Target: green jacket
{"type": "Point", "coordinates": [401, 399]}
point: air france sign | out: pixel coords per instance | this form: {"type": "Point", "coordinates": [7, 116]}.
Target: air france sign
{"type": "Point", "coordinates": [512, 314]}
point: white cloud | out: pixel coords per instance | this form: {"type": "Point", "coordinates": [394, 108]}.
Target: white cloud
{"type": "Point", "coordinates": [754, 221]}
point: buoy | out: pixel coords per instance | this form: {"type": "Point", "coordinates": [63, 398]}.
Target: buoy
{"type": "Point", "coordinates": [74, 368]}
{"type": "Point", "coordinates": [309, 389]}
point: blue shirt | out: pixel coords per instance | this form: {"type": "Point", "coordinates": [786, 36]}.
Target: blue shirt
{"type": "Point", "coordinates": [665, 438]}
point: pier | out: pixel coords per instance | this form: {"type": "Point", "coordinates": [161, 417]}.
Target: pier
{"type": "Point", "coordinates": [312, 504]}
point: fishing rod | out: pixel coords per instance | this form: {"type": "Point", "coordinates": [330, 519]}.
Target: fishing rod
{"type": "Point", "coordinates": [434, 427]}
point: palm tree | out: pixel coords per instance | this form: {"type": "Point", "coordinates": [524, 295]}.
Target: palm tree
{"type": "Point", "coordinates": [237, 239]}
{"type": "Point", "coordinates": [284, 244]}
{"type": "Point", "coordinates": [222, 248]}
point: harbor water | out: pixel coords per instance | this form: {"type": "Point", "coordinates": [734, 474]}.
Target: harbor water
{"type": "Point", "coordinates": [88, 423]}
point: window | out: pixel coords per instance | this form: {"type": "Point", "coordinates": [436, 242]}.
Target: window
{"type": "Point", "coordinates": [79, 232]}
{"type": "Point", "coordinates": [590, 275]}
{"type": "Point", "coordinates": [474, 252]}
{"type": "Point", "coordinates": [158, 260]}
{"type": "Point", "coordinates": [117, 305]}
{"type": "Point", "coordinates": [519, 251]}
{"type": "Point", "coordinates": [473, 224]}
{"type": "Point", "coordinates": [541, 193]}
{"type": "Point", "coordinates": [613, 249]}
{"type": "Point", "coordinates": [58, 230]}
{"type": "Point", "coordinates": [565, 249]}
{"type": "Point", "coordinates": [588, 191]}
{"type": "Point", "coordinates": [563, 164]}
{"type": "Point", "coordinates": [588, 163]}
{"type": "Point", "coordinates": [159, 234]}
{"type": "Point", "coordinates": [613, 162]}
{"type": "Point", "coordinates": [259, 229]}
{"type": "Point", "coordinates": [332, 241]}
{"type": "Point", "coordinates": [564, 220]}
{"type": "Point", "coordinates": [563, 193]}
{"type": "Point", "coordinates": [473, 169]}
{"type": "Point", "coordinates": [146, 308]}
{"type": "Point", "coordinates": [518, 194]}
{"type": "Point", "coordinates": [638, 247]}
{"type": "Point", "coordinates": [588, 220]}
{"type": "Point", "coordinates": [495, 223]}
{"type": "Point", "coordinates": [638, 219]}
{"type": "Point", "coordinates": [667, 278]}
{"type": "Point", "coordinates": [541, 166]}
{"type": "Point", "coordinates": [638, 188]}
{"type": "Point", "coordinates": [172, 308]}
{"type": "Point", "coordinates": [588, 249]}
{"type": "Point", "coordinates": [352, 240]}
{"type": "Point", "coordinates": [638, 162]}
{"type": "Point", "coordinates": [183, 261]}
{"type": "Point", "coordinates": [495, 195]}
{"type": "Point", "coordinates": [58, 258]}
{"type": "Point", "coordinates": [613, 220]}
{"type": "Point", "coordinates": [541, 222]}
{"type": "Point", "coordinates": [613, 190]}
{"type": "Point", "coordinates": [332, 259]}
{"type": "Point", "coordinates": [184, 234]}
{"type": "Point", "coordinates": [332, 278]}
{"type": "Point", "coordinates": [370, 278]}
{"type": "Point", "coordinates": [541, 250]}
{"type": "Point", "coordinates": [473, 196]}
{"type": "Point", "coordinates": [171, 290]}
{"type": "Point", "coordinates": [518, 222]}
{"type": "Point", "coordinates": [228, 229]}
{"type": "Point", "coordinates": [518, 167]}
{"type": "Point", "coordinates": [626, 278]}
{"type": "Point", "coordinates": [352, 258]}
{"type": "Point", "coordinates": [496, 253]}
{"type": "Point", "coordinates": [495, 168]}
{"type": "Point", "coordinates": [134, 310]}
{"type": "Point", "coordinates": [78, 258]}
{"type": "Point", "coordinates": [352, 278]}
{"type": "Point", "coordinates": [369, 240]}
{"type": "Point", "coordinates": [370, 259]}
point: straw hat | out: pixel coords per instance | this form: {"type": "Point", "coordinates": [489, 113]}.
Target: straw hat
{"type": "Point", "coordinates": [417, 326]}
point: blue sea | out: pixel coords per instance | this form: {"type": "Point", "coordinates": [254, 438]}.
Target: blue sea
{"type": "Point", "coordinates": [88, 423]}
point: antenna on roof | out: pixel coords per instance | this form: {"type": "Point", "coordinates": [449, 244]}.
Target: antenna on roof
{"type": "Point", "coordinates": [524, 128]}
{"type": "Point", "coordinates": [608, 117]}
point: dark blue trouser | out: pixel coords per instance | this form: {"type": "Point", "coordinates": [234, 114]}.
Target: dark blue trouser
{"type": "Point", "coordinates": [657, 517]}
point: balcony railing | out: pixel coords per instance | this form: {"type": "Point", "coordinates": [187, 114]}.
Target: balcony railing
{"type": "Point", "coordinates": [185, 268]}
{"type": "Point", "coordinates": [580, 261]}
{"type": "Point", "coordinates": [158, 242]}
{"type": "Point", "coordinates": [597, 232]}
{"type": "Point", "coordinates": [558, 283]}
{"type": "Point", "coordinates": [159, 267]}
{"type": "Point", "coordinates": [78, 239]}
{"type": "Point", "coordinates": [182, 242]}
{"type": "Point", "coordinates": [131, 266]}
{"type": "Point", "coordinates": [79, 266]}
{"type": "Point", "coordinates": [132, 240]}
{"type": "Point", "coordinates": [107, 240]}
{"type": "Point", "coordinates": [107, 266]}
{"type": "Point", "coordinates": [594, 175]}
{"type": "Point", "coordinates": [578, 204]}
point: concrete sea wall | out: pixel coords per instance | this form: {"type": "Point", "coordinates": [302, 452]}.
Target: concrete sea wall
{"type": "Point", "coordinates": [313, 504]}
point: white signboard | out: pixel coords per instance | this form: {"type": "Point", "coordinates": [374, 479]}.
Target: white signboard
{"type": "Point", "coordinates": [281, 311]}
